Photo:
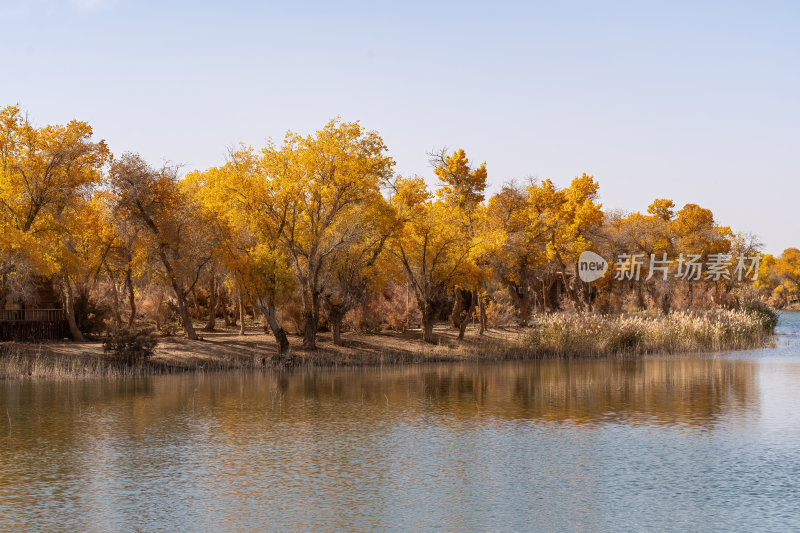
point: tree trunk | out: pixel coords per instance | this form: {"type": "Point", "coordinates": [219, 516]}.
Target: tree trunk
{"type": "Point", "coordinates": [188, 328]}
{"type": "Point", "coordinates": [482, 306]}
{"type": "Point", "coordinates": [115, 294]}
{"type": "Point", "coordinates": [228, 313]}
{"type": "Point", "coordinates": [462, 309]}
{"type": "Point", "coordinates": [666, 302]}
{"type": "Point", "coordinates": [521, 296]}
{"type": "Point", "coordinates": [310, 320]}
{"type": "Point", "coordinates": [70, 309]}
{"type": "Point", "coordinates": [459, 302]}
{"type": "Point", "coordinates": [195, 303]}
{"type": "Point", "coordinates": [131, 297]}
{"type": "Point", "coordinates": [525, 309]}
{"type": "Point", "coordinates": [212, 305]}
{"type": "Point", "coordinates": [2, 292]}
{"type": "Point", "coordinates": [544, 297]}
{"type": "Point", "coordinates": [428, 315]}
{"type": "Point", "coordinates": [241, 312]}
{"type": "Point", "coordinates": [309, 330]}
{"type": "Point", "coordinates": [427, 330]}
{"type": "Point", "coordinates": [585, 291]}
{"type": "Point", "coordinates": [336, 326]}
{"type": "Point", "coordinates": [280, 335]}
{"type": "Point", "coordinates": [567, 287]}
{"type": "Point", "coordinates": [186, 319]}
{"type": "Point", "coordinates": [640, 299]}
{"type": "Point", "coordinates": [470, 308]}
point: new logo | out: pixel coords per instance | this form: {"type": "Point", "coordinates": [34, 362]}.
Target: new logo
{"type": "Point", "coordinates": [591, 266]}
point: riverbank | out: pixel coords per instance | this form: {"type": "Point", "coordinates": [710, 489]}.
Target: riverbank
{"type": "Point", "coordinates": [552, 336]}
{"type": "Point", "coordinates": [227, 350]}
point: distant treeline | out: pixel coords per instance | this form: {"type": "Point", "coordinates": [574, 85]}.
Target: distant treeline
{"type": "Point", "coordinates": [318, 232]}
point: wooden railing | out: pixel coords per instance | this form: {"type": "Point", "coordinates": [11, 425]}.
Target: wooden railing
{"type": "Point", "coordinates": [32, 315]}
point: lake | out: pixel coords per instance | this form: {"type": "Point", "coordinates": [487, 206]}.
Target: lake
{"type": "Point", "coordinates": [663, 443]}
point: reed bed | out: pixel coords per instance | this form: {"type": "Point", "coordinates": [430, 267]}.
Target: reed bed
{"type": "Point", "coordinates": [560, 335]}
{"type": "Point", "coordinates": [557, 335]}
{"type": "Point", "coordinates": [39, 362]}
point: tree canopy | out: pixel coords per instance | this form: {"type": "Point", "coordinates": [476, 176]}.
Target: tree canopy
{"type": "Point", "coordinates": [317, 227]}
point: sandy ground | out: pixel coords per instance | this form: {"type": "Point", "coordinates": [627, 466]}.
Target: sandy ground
{"type": "Point", "coordinates": [226, 348]}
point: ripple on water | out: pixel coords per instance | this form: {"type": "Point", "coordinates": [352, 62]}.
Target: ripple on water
{"type": "Point", "coordinates": [663, 443]}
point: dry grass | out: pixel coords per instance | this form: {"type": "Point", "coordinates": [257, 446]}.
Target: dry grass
{"type": "Point", "coordinates": [557, 335]}
{"type": "Point", "coordinates": [681, 332]}
{"type": "Point", "coordinates": [226, 350]}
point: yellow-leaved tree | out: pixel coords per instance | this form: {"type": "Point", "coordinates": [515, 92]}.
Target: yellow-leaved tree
{"type": "Point", "coordinates": [360, 267]}
{"type": "Point", "coordinates": [519, 260]}
{"type": "Point", "coordinates": [236, 196]}
{"type": "Point", "coordinates": [316, 187]}
{"type": "Point", "coordinates": [432, 245]}
{"type": "Point", "coordinates": [561, 221]}
{"type": "Point", "coordinates": [647, 235]}
{"type": "Point", "coordinates": [86, 240]}
{"type": "Point", "coordinates": [787, 267]}
{"type": "Point", "coordinates": [696, 233]}
{"type": "Point", "coordinates": [169, 222]}
{"type": "Point", "coordinates": [44, 173]}
{"type": "Point", "coordinates": [461, 190]}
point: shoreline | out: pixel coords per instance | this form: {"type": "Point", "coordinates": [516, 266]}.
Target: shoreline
{"type": "Point", "coordinates": [226, 350]}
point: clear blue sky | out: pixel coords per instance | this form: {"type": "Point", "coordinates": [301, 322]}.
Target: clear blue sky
{"type": "Point", "coordinates": [698, 103]}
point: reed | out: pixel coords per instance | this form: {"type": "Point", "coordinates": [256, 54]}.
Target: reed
{"type": "Point", "coordinates": [557, 335]}
{"type": "Point", "coordinates": [38, 362]}
{"type": "Point", "coordinates": [563, 335]}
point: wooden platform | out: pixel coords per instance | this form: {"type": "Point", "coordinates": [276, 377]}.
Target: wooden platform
{"type": "Point", "coordinates": [38, 319]}
{"type": "Point", "coordinates": [33, 324]}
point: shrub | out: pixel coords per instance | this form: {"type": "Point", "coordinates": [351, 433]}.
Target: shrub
{"type": "Point", "coordinates": [155, 307]}
{"type": "Point", "coordinates": [292, 314]}
{"type": "Point", "coordinates": [624, 340]}
{"type": "Point", "coordinates": [364, 319]}
{"type": "Point", "coordinates": [501, 313]}
{"type": "Point", "coordinates": [90, 316]}
{"type": "Point", "coordinates": [130, 347]}
{"type": "Point", "coordinates": [397, 307]}
{"type": "Point", "coordinates": [765, 315]}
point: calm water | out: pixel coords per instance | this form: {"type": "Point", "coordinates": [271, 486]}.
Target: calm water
{"type": "Point", "coordinates": [696, 443]}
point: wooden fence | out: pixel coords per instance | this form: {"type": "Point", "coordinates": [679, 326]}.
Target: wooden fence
{"type": "Point", "coordinates": [33, 324]}
{"type": "Point", "coordinates": [32, 315]}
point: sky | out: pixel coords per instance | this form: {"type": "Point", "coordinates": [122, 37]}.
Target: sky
{"type": "Point", "coordinates": [698, 102]}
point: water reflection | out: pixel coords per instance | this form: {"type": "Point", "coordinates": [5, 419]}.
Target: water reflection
{"type": "Point", "coordinates": [694, 391]}
{"type": "Point", "coordinates": [453, 446]}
